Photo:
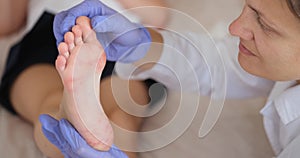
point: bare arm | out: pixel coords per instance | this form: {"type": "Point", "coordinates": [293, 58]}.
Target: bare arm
{"type": "Point", "coordinates": [157, 17]}
{"type": "Point", "coordinates": [12, 15]}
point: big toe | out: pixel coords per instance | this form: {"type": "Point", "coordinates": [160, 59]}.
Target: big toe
{"type": "Point", "coordinates": [84, 22]}
{"type": "Point", "coordinates": [85, 25]}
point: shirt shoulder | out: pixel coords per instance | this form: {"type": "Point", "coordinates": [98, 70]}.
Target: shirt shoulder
{"type": "Point", "coordinates": [282, 115]}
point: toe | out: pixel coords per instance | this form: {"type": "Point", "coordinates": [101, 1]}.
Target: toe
{"type": "Point", "coordinates": [84, 21]}
{"type": "Point", "coordinates": [63, 49]}
{"type": "Point", "coordinates": [85, 25]}
{"type": "Point", "coordinates": [77, 35]}
{"type": "Point", "coordinates": [69, 39]}
{"type": "Point", "coordinates": [60, 63]}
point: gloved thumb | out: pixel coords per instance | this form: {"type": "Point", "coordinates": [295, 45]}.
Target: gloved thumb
{"type": "Point", "coordinates": [51, 130]}
{"type": "Point", "coordinates": [70, 134]}
{"type": "Point", "coordinates": [58, 28]}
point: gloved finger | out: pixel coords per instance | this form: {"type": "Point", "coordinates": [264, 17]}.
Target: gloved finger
{"type": "Point", "coordinates": [58, 33]}
{"type": "Point", "coordinates": [115, 23]}
{"type": "Point", "coordinates": [89, 152]}
{"type": "Point", "coordinates": [81, 148]}
{"type": "Point", "coordinates": [67, 23]}
{"type": "Point", "coordinates": [124, 31]}
{"type": "Point", "coordinates": [70, 134]}
{"type": "Point", "coordinates": [76, 142]}
{"type": "Point", "coordinates": [64, 21]}
{"type": "Point", "coordinates": [134, 34]}
{"type": "Point", "coordinates": [114, 152]}
{"type": "Point", "coordinates": [99, 23]}
{"type": "Point", "coordinates": [91, 8]}
{"type": "Point", "coordinates": [117, 153]}
{"type": "Point", "coordinates": [51, 130]}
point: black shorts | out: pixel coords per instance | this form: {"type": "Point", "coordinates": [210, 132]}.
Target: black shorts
{"type": "Point", "coordinates": [38, 46]}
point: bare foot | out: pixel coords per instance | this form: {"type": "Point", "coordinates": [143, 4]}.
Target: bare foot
{"type": "Point", "coordinates": [80, 63]}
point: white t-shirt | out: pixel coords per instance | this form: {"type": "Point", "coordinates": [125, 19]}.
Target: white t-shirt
{"type": "Point", "coordinates": [192, 63]}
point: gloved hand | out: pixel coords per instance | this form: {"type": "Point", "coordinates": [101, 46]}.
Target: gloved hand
{"type": "Point", "coordinates": [62, 134]}
{"type": "Point", "coordinates": [117, 34]}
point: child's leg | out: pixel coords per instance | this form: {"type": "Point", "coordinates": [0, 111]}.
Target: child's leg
{"type": "Point", "coordinates": [39, 90]}
{"type": "Point", "coordinates": [12, 15]}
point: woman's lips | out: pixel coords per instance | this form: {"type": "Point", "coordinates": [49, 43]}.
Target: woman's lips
{"type": "Point", "coordinates": [244, 50]}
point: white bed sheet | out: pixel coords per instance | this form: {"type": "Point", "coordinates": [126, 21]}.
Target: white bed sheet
{"type": "Point", "coordinates": [239, 132]}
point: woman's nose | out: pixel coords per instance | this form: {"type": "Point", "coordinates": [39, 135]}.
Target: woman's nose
{"type": "Point", "coordinates": [241, 27]}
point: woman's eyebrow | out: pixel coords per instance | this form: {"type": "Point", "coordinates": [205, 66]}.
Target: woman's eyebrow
{"type": "Point", "coordinates": [257, 11]}
{"type": "Point", "coordinates": [269, 23]}
{"type": "Point", "coordinates": [261, 14]}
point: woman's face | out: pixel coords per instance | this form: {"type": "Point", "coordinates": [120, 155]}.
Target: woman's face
{"type": "Point", "coordinates": [269, 39]}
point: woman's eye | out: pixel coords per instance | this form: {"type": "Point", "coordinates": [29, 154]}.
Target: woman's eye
{"type": "Point", "coordinates": [264, 26]}
{"type": "Point", "coordinates": [261, 24]}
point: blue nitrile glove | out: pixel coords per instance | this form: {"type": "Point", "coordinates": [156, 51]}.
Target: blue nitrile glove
{"type": "Point", "coordinates": [62, 134]}
{"type": "Point", "coordinates": [117, 34]}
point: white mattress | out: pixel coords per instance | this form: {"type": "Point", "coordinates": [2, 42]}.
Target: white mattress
{"type": "Point", "coordinates": [238, 133]}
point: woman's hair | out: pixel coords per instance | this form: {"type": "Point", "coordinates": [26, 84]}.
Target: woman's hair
{"type": "Point", "coordinates": [295, 7]}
